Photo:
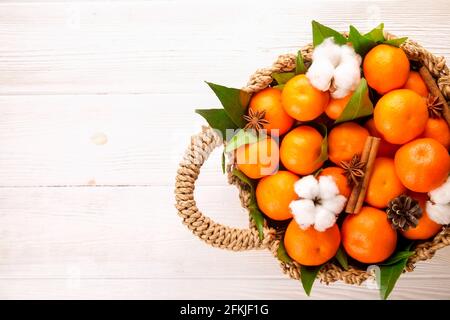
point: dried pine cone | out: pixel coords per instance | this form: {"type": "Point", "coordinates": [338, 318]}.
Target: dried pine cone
{"type": "Point", "coordinates": [404, 212]}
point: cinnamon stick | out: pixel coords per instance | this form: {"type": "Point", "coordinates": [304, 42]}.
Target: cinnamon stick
{"type": "Point", "coordinates": [434, 90]}
{"type": "Point", "coordinates": [351, 203]}
{"type": "Point", "coordinates": [367, 173]}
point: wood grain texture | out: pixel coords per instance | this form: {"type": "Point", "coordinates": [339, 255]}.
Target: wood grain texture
{"type": "Point", "coordinates": [172, 47]}
{"type": "Point", "coordinates": [274, 289]}
{"type": "Point", "coordinates": [84, 239]}
{"type": "Point", "coordinates": [96, 109]}
{"type": "Point", "coordinates": [146, 136]}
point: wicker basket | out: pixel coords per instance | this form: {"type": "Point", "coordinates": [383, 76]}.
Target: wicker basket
{"type": "Point", "coordinates": [235, 239]}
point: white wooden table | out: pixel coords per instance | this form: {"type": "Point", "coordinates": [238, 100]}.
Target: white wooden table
{"type": "Point", "coordinates": [96, 108]}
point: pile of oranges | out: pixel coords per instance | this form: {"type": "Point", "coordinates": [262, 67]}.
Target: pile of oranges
{"type": "Point", "coordinates": [412, 159]}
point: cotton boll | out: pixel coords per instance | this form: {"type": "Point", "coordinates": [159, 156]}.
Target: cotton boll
{"type": "Point", "coordinates": [299, 206]}
{"type": "Point", "coordinates": [347, 75]}
{"type": "Point", "coordinates": [304, 212]}
{"type": "Point", "coordinates": [327, 187]}
{"type": "Point", "coordinates": [335, 204]}
{"type": "Point", "coordinates": [340, 93]}
{"type": "Point", "coordinates": [320, 74]}
{"type": "Point", "coordinates": [307, 187]}
{"type": "Point", "coordinates": [305, 220]}
{"type": "Point", "coordinates": [335, 64]}
{"type": "Point", "coordinates": [324, 219]}
{"type": "Point", "coordinates": [438, 208]}
{"type": "Point", "coordinates": [319, 204]}
{"type": "Point", "coordinates": [441, 195]}
{"type": "Point", "coordinates": [349, 54]}
{"type": "Point", "coordinates": [346, 79]}
{"type": "Point", "coordinates": [439, 213]}
{"type": "Point", "coordinates": [328, 50]}
{"type": "Point", "coordinates": [325, 58]}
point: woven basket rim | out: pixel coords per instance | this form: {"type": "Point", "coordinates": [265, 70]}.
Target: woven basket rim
{"type": "Point", "coordinates": [225, 237]}
{"type": "Point", "coordinates": [332, 271]}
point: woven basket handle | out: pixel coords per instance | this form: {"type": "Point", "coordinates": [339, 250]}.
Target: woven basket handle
{"type": "Point", "coordinates": [203, 227]}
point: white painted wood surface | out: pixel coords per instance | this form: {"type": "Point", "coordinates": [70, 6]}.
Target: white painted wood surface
{"type": "Point", "coordinates": [96, 108]}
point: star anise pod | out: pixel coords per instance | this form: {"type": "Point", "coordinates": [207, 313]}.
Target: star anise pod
{"type": "Point", "coordinates": [435, 106]}
{"type": "Point", "coordinates": [255, 120]}
{"type": "Point", "coordinates": [353, 169]}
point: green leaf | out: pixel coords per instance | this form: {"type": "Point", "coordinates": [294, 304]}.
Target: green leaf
{"type": "Point", "coordinates": [404, 251]}
{"type": "Point", "coordinates": [398, 256]}
{"type": "Point", "coordinates": [323, 150]}
{"type": "Point", "coordinates": [282, 253]}
{"type": "Point", "coordinates": [322, 128]}
{"type": "Point", "coordinates": [359, 104]}
{"type": "Point", "coordinates": [363, 43]}
{"type": "Point", "coordinates": [217, 119]}
{"type": "Point", "coordinates": [283, 77]}
{"type": "Point", "coordinates": [389, 275]}
{"type": "Point", "coordinates": [256, 215]}
{"type": "Point", "coordinates": [234, 101]}
{"type": "Point", "coordinates": [406, 246]}
{"type": "Point", "coordinates": [360, 43]}
{"type": "Point", "coordinates": [391, 270]}
{"type": "Point", "coordinates": [242, 137]}
{"type": "Point", "coordinates": [376, 34]}
{"type": "Point", "coordinates": [317, 173]}
{"type": "Point", "coordinates": [223, 162]}
{"type": "Point", "coordinates": [308, 276]}
{"type": "Point", "coordinates": [341, 257]}
{"type": "Point", "coordinates": [300, 67]}
{"type": "Point", "coordinates": [396, 42]}
{"type": "Point", "coordinates": [279, 86]}
{"type": "Point", "coordinates": [250, 182]}
{"type": "Point", "coordinates": [321, 32]}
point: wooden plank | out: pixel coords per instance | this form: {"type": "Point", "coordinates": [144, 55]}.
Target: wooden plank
{"type": "Point", "coordinates": [171, 47]}
{"type": "Point", "coordinates": [273, 289]}
{"type": "Point", "coordinates": [112, 90]}
{"type": "Point", "coordinates": [70, 242]}
{"type": "Point", "coordinates": [100, 139]}
{"type": "Point", "coordinates": [114, 232]}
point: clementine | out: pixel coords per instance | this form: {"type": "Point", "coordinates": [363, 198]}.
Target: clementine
{"type": "Point", "coordinates": [310, 247]}
{"type": "Point", "coordinates": [422, 165]}
{"type": "Point", "coordinates": [386, 68]}
{"type": "Point", "coordinates": [300, 150]}
{"type": "Point", "coordinates": [384, 184]}
{"type": "Point", "coordinates": [258, 159]}
{"type": "Point", "coordinates": [346, 140]}
{"type": "Point", "coordinates": [386, 149]}
{"type": "Point", "coordinates": [426, 228]}
{"type": "Point", "coordinates": [269, 101]}
{"type": "Point", "coordinates": [416, 83]}
{"type": "Point", "coordinates": [401, 115]}
{"type": "Point", "coordinates": [368, 236]}
{"type": "Point", "coordinates": [301, 100]}
{"type": "Point", "coordinates": [336, 106]}
{"type": "Point", "coordinates": [274, 194]}
{"type": "Point", "coordinates": [437, 129]}
{"type": "Point", "coordinates": [339, 178]}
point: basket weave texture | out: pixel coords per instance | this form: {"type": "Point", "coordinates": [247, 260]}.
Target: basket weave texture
{"type": "Point", "coordinates": [236, 239]}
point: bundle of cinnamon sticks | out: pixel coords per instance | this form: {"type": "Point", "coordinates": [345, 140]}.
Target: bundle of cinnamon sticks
{"type": "Point", "coordinates": [435, 91]}
{"type": "Point", "coordinates": [356, 199]}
